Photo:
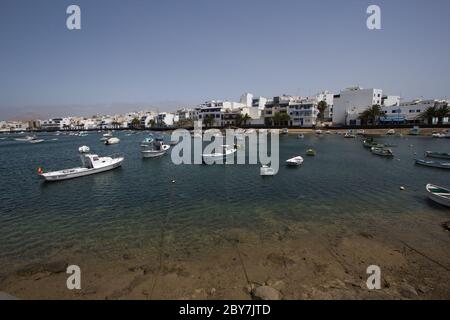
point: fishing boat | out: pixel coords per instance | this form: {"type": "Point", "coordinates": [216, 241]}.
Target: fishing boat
{"type": "Point", "coordinates": [157, 149]}
{"type": "Point", "coordinates": [91, 164]}
{"type": "Point", "coordinates": [295, 161]}
{"type": "Point", "coordinates": [112, 140]}
{"type": "Point", "coordinates": [440, 155]}
{"type": "Point", "coordinates": [227, 151]}
{"type": "Point", "coordinates": [434, 164]}
{"type": "Point", "coordinates": [438, 194]}
{"type": "Point", "coordinates": [384, 152]}
{"type": "Point", "coordinates": [310, 152]}
{"type": "Point", "coordinates": [266, 171]}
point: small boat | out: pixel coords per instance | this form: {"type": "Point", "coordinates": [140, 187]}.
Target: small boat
{"type": "Point", "coordinates": [390, 132]}
{"type": "Point", "coordinates": [369, 143]}
{"type": "Point", "coordinates": [440, 155]}
{"type": "Point", "coordinates": [301, 136]}
{"type": "Point", "coordinates": [108, 135]}
{"type": "Point", "coordinates": [415, 131]}
{"type": "Point", "coordinates": [295, 161]}
{"type": "Point", "coordinates": [349, 135]}
{"type": "Point", "coordinates": [284, 131]}
{"type": "Point", "coordinates": [318, 131]}
{"type": "Point", "coordinates": [26, 139]}
{"type": "Point", "coordinates": [112, 140]}
{"type": "Point", "coordinates": [384, 152]}
{"type": "Point", "coordinates": [434, 164]}
{"type": "Point", "coordinates": [92, 164]}
{"type": "Point", "coordinates": [310, 152]}
{"type": "Point", "coordinates": [266, 171]}
{"type": "Point", "coordinates": [36, 140]}
{"type": "Point", "coordinates": [438, 194]}
{"type": "Point", "coordinates": [438, 135]}
{"type": "Point", "coordinates": [157, 149]}
{"type": "Point", "coordinates": [227, 151]}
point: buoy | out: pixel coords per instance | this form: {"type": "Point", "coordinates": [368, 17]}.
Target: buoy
{"type": "Point", "coordinates": [402, 188]}
{"type": "Point", "coordinates": [40, 171]}
{"type": "Point", "coordinates": [173, 181]}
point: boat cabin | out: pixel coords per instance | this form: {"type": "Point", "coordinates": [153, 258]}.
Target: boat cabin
{"type": "Point", "coordinates": [92, 161]}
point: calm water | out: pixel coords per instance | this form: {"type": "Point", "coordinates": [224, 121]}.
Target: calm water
{"type": "Point", "coordinates": [129, 208]}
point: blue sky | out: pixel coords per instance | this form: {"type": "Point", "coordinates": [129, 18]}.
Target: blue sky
{"type": "Point", "coordinates": [135, 54]}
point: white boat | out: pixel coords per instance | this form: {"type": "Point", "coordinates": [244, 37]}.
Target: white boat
{"type": "Point", "coordinates": [439, 135]}
{"type": "Point", "coordinates": [284, 131]}
{"type": "Point", "coordinates": [438, 194]}
{"type": "Point", "coordinates": [349, 135]}
{"type": "Point", "coordinates": [434, 164]}
{"type": "Point", "coordinates": [300, 136]}
{"type": "Point", "coordinates": [147, 142]}
{"type": "Point", "coordinates": [91, 164]}
{"type": "Point", "coordinates": [108, 135]}
{"type": "Point", "coordinates": [157, 149]}
{"type": "Point", "coordinates": [390, 132]}
{"type": "Point", "coordinates": [295, 161]}
{"type": "Point", "coordinates": [26, 139]}
{"type": "Point", "coordinates": [112, 140]}
{"type": "Point", "coordinates": [384, 152]}
{"type": "Point", "coordinates": [318, 131]}
{"type": "Point", "coordinates": [36, 140]}
{"type": "Point", "coordinates": [266, 171]}
{"type": "Point", "coordinates": [227, 151]}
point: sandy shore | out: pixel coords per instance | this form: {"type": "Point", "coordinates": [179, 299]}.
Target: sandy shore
{"type": "Point", "coordinates": [298, 261]}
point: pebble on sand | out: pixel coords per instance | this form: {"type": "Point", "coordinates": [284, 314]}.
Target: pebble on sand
{"type": "Point", "coordinates": [266, 293]}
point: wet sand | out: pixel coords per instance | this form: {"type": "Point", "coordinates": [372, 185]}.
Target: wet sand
{"type": "Point", "coordinates": [298, 260]}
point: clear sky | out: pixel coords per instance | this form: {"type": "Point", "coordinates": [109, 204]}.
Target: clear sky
{"type": "Point", "coordinates": [133, 54]}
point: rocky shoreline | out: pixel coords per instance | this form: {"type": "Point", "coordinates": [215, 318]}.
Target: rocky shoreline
{"type": "Point", "coordinates": [296, 262]}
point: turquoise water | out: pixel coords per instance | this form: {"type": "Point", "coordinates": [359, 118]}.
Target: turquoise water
{"type": "Point", "coordinates": [129, 208]}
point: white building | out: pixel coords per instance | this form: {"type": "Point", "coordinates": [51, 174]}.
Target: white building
{"type": "Point", "coordinates": [328, 97]}
{"type": "Point", "coordinates": [166, 119]}
{"type": "Point", "coordinates": [409, 112]}
{"type": "Point", "coordinates": [301, 111]}
{"type": "Point", "coordinates": [351, 102]}
{"type": "Point", "coordinates": [246, 99]}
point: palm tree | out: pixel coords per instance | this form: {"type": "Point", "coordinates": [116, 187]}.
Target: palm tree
{"type": "Point", "coordinates": [322, 106]}
{"type": "Point", "coordinates": [135, 123]}
{"type": "Point", "coordinates": [443, 112]}
{"type": "Point", "coordinates": [371, 114]}
{"type": "Point", "coordinates": [429, 114]}
{"type": "Point", "coordinates": [209, 120]}
{"type": "Point", "coordinates": [246, 118]}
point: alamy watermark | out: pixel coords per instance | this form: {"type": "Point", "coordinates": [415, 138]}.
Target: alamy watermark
{"type": "Point", "coordinates": [235, 147]}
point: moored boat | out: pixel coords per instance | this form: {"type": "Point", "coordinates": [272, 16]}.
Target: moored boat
{"type": "Point", "coordinates": [440, 155]}
{"type": "Point", "coordinates": [295, 161]}
{"type": "Point", "coordinates": [91, 164]}
{"type": "Point", "coordinates": [310, 152]}
{"type": "Point", "coordinates": [384, 152]}
{"type": "Point", "coordinates": [434, 164]}
{"type": "Point", "coordinates": [438, 194]}
{"type": "Point", "coordinates": [112, 140]}
{"type": "Point", "coordinates": [36, 141]}
{"type": "Point", "coordinates": [227, 151]}
{"type": "Point", "coordinates": [349, 135]}
{"type": "Point", "coordinates": [266, 171]}
{"type": "Point", "coordinates": [284, 131]}
{"type": "Point", "coordinates": [157, 149]}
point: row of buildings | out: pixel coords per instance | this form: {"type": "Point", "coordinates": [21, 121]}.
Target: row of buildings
{"type": "Point", "coordinates": [344, 108]}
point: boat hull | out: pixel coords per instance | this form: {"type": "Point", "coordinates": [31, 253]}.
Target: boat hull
{"type": "Point", "coordinates": [434, 164]}
{"type": "Point", "coordinates": [443, 198]}
{"type": "Point", "coordinates": [68, 174]}
{"type": "Point", "coordinates": [153, 154]}
{"type": "Point", "coordinates": [437, 155]}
